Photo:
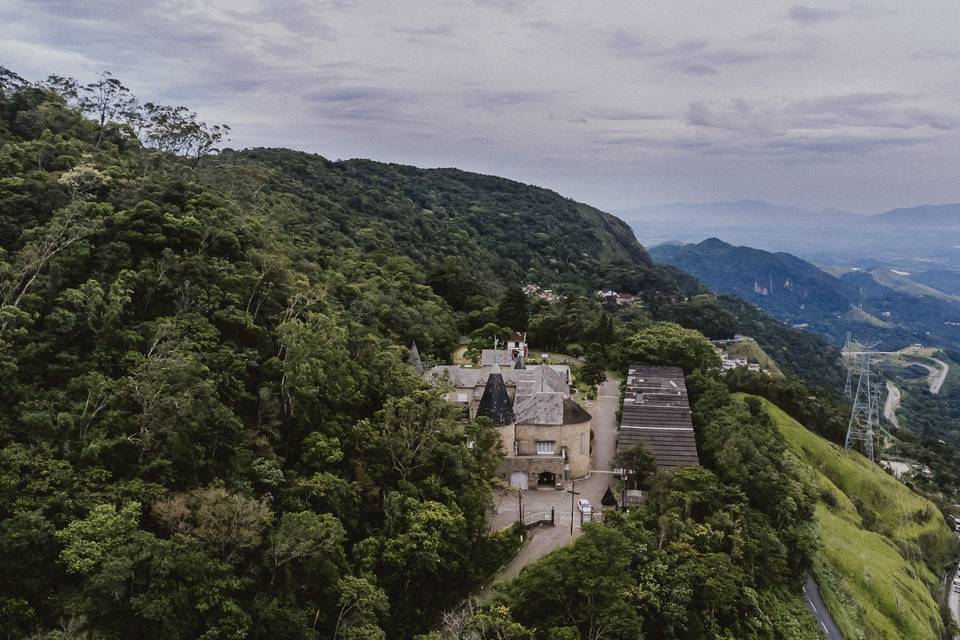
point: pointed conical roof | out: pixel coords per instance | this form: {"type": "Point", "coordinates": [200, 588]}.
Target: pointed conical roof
{"type": "Point", "coordinates": [413, 358]}
{"type": "Point", "coordinates": [519, 363]}
{"type": "Point", "coordinates": [495, 402]}
{"type": "Point", "coordinates": [608, 500]}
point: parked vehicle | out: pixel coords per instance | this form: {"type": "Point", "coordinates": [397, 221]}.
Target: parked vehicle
{"type": "Point", "coordinates": [584, 505]}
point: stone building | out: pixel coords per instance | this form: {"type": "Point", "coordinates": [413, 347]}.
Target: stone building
{"type": "Point", "coordinates": [545, 434]}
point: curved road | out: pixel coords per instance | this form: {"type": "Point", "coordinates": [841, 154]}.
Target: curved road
{"type": "Point", "coordinates": [815, 604]}
{"type": "Point", "coordinates": [938, 382]}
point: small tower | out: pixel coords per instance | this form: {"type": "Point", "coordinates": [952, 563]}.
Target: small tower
{"type": "Point", "coordinates": [413, 358]}
{"type": "Point", "coordinates": [495, 402]}
{"type": "Point", "coordinates": [496, 405]}
{"type": "Point", "coordinates": [519, 364]}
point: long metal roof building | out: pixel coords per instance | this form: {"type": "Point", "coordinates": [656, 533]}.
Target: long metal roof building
{"type": "Point", "coordinates": [656, 414]}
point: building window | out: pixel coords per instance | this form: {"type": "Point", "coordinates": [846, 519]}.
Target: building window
{"type": "Point", "coordinates": [546, 447]}
{"type": "Point", "coordinates": [461, 397]}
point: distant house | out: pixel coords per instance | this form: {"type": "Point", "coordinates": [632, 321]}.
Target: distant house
{"type": "Point", "coordinates": [516, 348]}
{"type": "Point", "coordinates": [609, 296]}
{"type": "Point", "coordinates": [656, 414]}
{"type": "Point", "coordinates": [544, 433]}
{"type": "Point", "coordinates": [547, 295]}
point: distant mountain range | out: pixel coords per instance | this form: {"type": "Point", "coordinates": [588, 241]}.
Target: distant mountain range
{"type": "Point", "coordinates": [917, 238]}
{"type": "Point", "coordinates": [878, 304]}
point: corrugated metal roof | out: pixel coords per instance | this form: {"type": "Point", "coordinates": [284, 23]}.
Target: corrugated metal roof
{"type": "Point", "coordinates": [656, 414]}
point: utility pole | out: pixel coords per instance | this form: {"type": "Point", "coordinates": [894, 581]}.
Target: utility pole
{"type": "Point", "coordinates": [573, 500]}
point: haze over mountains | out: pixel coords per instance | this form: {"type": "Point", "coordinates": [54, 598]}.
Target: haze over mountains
{"type": "Point", "coordinates": [879, 304]}
{"type": "Point", "coordinates": [922, 238]}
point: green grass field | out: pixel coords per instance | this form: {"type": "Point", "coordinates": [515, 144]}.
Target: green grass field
{"type": "Point", "coordinates": [879, 541]}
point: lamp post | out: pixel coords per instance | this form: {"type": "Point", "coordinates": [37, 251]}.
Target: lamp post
{"type": "Point", "coordinates": [573, 498]}
{"type": "Point", "coordinates": [520, 504]}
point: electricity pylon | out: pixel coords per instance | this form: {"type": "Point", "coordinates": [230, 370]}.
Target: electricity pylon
{"type": "Point", "coordinates": [865, 416]}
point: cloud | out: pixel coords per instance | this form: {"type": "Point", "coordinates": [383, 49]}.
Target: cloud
{"type": "Point", "coordinates": [812, 15]}
{"type": "Point", "coordinates": [626, 115]}
{"type": "Point", "coordinates": [581, 99]}
{"type": "Point", "coordinates": [700, 69]}
{"type": "Point", "coordinates": [806, 15]}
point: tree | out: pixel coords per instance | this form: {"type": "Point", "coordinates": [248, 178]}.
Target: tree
{"type": "Point", "coordinates": [227, 523]}
{"type": "Point", "coordinates": [361, 605]}
{"type": "Point", "coordinates": [514, 309]}
{"type": "Point", "coordinates": [582, 586]}
{"type": "Point", "coordinates": [303, 536]}
{"type": "Point", "coordinates": [105, 98]}
{"type": "Point", "coordinates": [593, 372]}
{"type": "Point", "coordinates": [639, 464]}
{"type": "Point", "coordinates": [484, 338]}
{"type": "Point", "coordinates": [90, 541]}
{"type": "Point", "coordinates": [668, 344]}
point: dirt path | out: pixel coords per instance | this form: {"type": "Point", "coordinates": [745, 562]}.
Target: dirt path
{"type": "Point", "coordinates": [538, 503]}
{"type": "Point", "coordinates": [892, 404]}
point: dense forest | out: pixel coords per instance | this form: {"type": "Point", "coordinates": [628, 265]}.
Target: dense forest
{"type": "Point", "coordinates": [208, 428]}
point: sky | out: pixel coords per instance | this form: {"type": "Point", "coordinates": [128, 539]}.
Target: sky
{"type": "Point", "coordinates": [616, 103]}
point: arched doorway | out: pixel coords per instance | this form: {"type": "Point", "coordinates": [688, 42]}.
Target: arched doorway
{"type": "Point", "coordinates": [547, 479]}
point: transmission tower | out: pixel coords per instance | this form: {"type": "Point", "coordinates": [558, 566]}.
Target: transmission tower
{"type": "Point", "coordinates": [865, 416]}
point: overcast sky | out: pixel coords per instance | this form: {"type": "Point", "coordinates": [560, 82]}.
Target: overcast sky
{"type": "Point", "coordinates": [619, 104]}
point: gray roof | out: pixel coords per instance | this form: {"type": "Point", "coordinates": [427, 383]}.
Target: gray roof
{"type": "Point", "coordinates": [528, 381]}
{"type": "Point", "coordinates": [656, 414]}
{"type": "Point", "coordinates": [496, 356]}
{"type": "Point", "coordinates": [549, 409]}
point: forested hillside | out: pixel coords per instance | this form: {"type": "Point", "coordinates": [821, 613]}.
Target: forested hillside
{"type": "Point", "coordinates": [208, 428]}
{"type": "Point", "coordinates": [798, 292]}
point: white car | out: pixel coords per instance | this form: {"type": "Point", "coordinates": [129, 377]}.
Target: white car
{"type": "Point", "coordinates": [584, 505]}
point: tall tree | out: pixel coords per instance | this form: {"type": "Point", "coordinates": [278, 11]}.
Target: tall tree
{"type": "Point", "coordinates": [514, 309]}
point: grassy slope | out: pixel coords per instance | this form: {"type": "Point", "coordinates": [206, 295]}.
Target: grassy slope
{"type": "Point", "coordinates": [874, 580]}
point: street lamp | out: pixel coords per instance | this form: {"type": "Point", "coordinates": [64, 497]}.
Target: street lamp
{"type": "Point", "coordinates": [573, 497]}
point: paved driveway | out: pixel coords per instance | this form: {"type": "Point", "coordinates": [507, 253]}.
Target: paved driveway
{"type": "Point", "coordinates": [538, 502]}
